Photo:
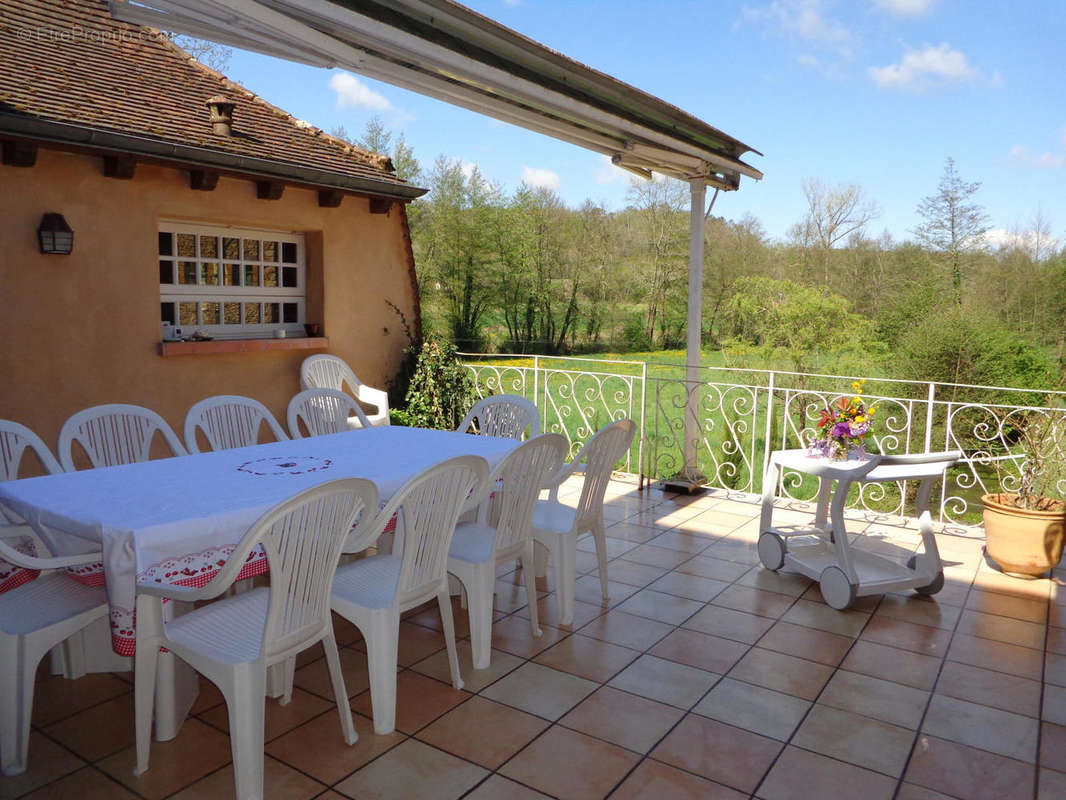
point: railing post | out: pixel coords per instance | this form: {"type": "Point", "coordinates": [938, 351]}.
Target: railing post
{"type": "Point", "coordinates": [929, 408]}
{"type": "Point", "coordinates": [643, 416]}
{"type": "Point", "coordinates": [767, 444]}
{"type": "Point", "coordinates": [536, 392]}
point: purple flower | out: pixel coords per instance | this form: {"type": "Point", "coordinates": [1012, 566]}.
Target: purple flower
{"type": "Point", "coordinates": [841, 429]}
{"type": "Point", "coordinates": [859, 430]}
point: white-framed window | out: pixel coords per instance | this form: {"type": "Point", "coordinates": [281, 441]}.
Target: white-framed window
{"type": "Point", "coordinates": [231, 282]}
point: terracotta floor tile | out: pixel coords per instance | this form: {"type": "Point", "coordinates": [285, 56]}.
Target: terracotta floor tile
{"type": "Point", "coordinates": [314, 677]}
{"type": "Point", "coordinates": [413, 770]}
{"type": "Point", "coordinates": [787, 583]}
{"type": "Point", "coordinates": [588, 658]}
{"type": "Point", "coordinates": [635, 723]}
{"type": "Point", "coordinates": [1002, 629]}
{"type": "Point", "coordinates": [721, 752]}
{"type": "Point", "coordinates": [509, 597]}
{"type": "Point", "coordinates": [684, 542]}
{"type": "Point", "coordinates": [754, 601]}
{"type": "Point", "coordinates": [700, 650]}
{"type": "Point", "coordinates": [753, 708]}
{"type": "Point", "coordinates": [734, 548]}
{"type": "Point", "coordinates": [995, 689]}
{"type": "Point", "coordinates": [196, 751]}
{"type": "Point", "coordinates": [280, 782]}
{"type": "Point", "coordinates": [714, 568]}
{"type": "Point", "coordinates": [823, 618]}
{"type": "Point", "coordinates": [630, 572]}
{"type": "Point", "coordinates": [1056, 640]}
{"type": "Point", "coordinates": [318, 749]}
{"type": "Point", "coordinates": [910, 791]}
{"type": "Point", "coordinates": [715, 522]}
{"type": "Point", "coordinates": [484, 732]}
{"type": "Point", "coordinates": [97, 732]}
{"type": "Point", "coordinates": [809, 643]}
{"type": "Point", "coordinates": [56, 698]}
{"type": "Point", "coordinates": [571, 766]}
{"type": "Point", "coordinates": [666, 681]}
{"type": "Point", "coordinates": [631, 532]}
{"type": "Point", "coordinates": [627, 630]}
{"type": "Point", "coordinates": [416, 643]}
{"type": "Point", "coordinates": [85, 784]}
{"type": "Point", "coordinates": [652, 779]}
{"type": "Point", "coordinates": [873, 697]}
{"type": "Point", "coordinates": [429, 617]}
{"type": "Point", "coordinates": [729, 624]}
{"type": "Point", "coordinates": [474, 680]}
{"type": "Point", "coordinates": [46, 762]}
{"type": "Point", "coordinates": [893, 664]}
{"type": "Point", "coordinates": [657, 556]}
{"type": "Point", "coordinates": [1023, 608]}
{"type": "Point", "coordinates": [691, 586]}
{"type": "Point", "coordinates": [859, 740]}
{"type": "Point", "coordinates": [587, 589]}
{"type": "Point", "coordinates": [997, 656]}
{"type": "Point", "coordinates": [1052, 785]}
{"type": "Point", "coordinates": [419, 700]}
{"type": "Point", "coordinates": [967, 772]}
{"type": "Point", "coordinates": [1053, 746]}
{"type": "Point", "coordinates": [800, 775]}
{"type": "Point", "coordinates": [922, 639]}
{"type": "Point", "coordinates": [919, 610]}
{"type": "Point", "coordinates": [1054, 709]}
{"type": "Point", "coordinates": [548, 612]}
{"type": "Point", "coordinates": [668, 608]}
{"type": "Point", "coordinates": [513, 635]}
{"type": "Point", "coordinates": [498, 787]}
{"type": "Point", "coordinates": [540, 690]}
{"type": "Point", "coordinates": [1055, 669]}
{"type": "Point", "coordinates": [279, 719]}
{"type": "Point", "coordinates": [991, 729]}
{"type": "Point", "coordinates": [782, 673]}
{"type": "Point", "coordinates": [615, 547]}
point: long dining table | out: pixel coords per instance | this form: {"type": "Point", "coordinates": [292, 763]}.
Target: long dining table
{"type": "Point", "coordinates": [176, 520]}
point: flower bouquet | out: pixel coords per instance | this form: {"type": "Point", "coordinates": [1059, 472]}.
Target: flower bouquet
{"type": "Point", "coordinates": [842, 427]}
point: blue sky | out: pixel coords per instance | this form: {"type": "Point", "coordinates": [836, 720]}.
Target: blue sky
{"type": "Point", "coordinates": [872, 92]}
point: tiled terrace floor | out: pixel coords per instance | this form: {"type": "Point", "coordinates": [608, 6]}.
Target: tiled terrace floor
{"type": "Point", "coordinates": [705, 676]}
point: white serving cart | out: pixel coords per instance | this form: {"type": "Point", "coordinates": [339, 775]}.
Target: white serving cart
{"type": "Point", "coordinates": [825, 553]}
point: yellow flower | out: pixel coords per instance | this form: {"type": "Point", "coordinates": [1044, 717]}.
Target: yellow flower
{"type": "Point", "coordinates": [860, 418]}
{"type": "Point", "coordinates": [871, 410]}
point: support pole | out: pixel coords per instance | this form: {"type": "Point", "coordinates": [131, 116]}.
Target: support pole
{"type": "Point", "coordinates": [690, 472]}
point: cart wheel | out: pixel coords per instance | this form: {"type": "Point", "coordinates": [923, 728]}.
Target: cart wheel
{"type": "Point", "coordinates": [837, 591]}
{"type": "Point", "coordinates": [772, 551]}
{"type": "Point", "coordinates": [931, 588]}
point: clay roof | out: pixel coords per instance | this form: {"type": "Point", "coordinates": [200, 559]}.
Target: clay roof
{"type": "Point", "coordinates": [68, 62]}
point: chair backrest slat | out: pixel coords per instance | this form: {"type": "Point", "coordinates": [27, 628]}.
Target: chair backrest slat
{"type": "Point", "coordinates": [606, 447]}
{"type": "Point", "coordinates": [323, 411]}
{"type": "Point", "coordinates": [14, 440]}
{"type": "Point", "coordinates": [517, 482]}
{"type": "Point", "coordinates": [328, 372]}
{"type": "Point", "coordinates": [506, 415]}
{"type": "Point", "coordinates": [229, 421]}
{"type": "Point", "coordinates": [114, 434]}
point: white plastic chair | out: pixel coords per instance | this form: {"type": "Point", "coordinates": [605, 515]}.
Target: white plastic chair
{"type": "Point", "coordinates": [330, 372]}
{"type": "Point", "coordinates": [557, 526]}
{"type": "Point", "coordinates": [114, 434]}
{"type": "Point", "coordinates": [324, 411]}
{"type": "Point", "coordinates": [506, 415]}
{"type": "Point", "coordinates": [34, 618]}
{"type": "Point", "coordinates": [372, 593]}
{"type": "Point", "coordinates": [502, 531]}
{"type": "Point", "coordinates": [229, 421]}
{"type": "Point", "coordinates": [233, 641]}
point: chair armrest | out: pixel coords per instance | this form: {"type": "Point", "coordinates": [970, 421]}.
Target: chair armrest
{"type": "Point", "coordinates": [188, 594]}
{"type": "Point", "coordinates": [10, 554]}
{"type": "Point", "coordinates": [373, 397]}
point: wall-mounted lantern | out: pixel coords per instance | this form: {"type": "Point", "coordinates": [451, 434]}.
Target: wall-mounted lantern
{"type": "Point", "coordinates": [55, 235]}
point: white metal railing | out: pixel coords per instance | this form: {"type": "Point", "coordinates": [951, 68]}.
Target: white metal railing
{"type": "Point", "coordinates": [745, 414]}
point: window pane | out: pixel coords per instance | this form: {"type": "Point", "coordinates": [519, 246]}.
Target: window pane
{"type": "Point", "coordinates": [288, 277]}
{"type": "Point", "coordinates": [187, 313]}
{"type": "Point", "coordinates": [288, 252]}
{"type": "Point", "coordinates": [270, 251]}
{"type": "Point", "coordinates": [209, 274]}
{"type": "Point", "coordinates": [251, 250]}
{"type": "Point", "coordinates": [166, 272]}
{"type": "Point", "coordinates": [251, 313]}
{"type": "Point", "coordinates": [270, 313]}
{"type": "Point", "coordinates": [167, 312]}
{"type": "Point", "coordinates": [166, 244]}
{"type": "Point", "coordinates": [270, 276]}
{"type": "Point", "coordinates": [231, 313]}
{"type": "Point", "coordinates": [186, 245]}
{"type": "Point", "coordinates": [251, 275]}
{"type": "Point", "coordinates": [208, 247]}
{"type": "Point", "coordinates": [209, 313]}
{"type": "Point", "coordinates": [289, 310]}
{"type": "Point", "coordinates": [231, 274]}
{"type": "Point", "coordinates": [231, 248]}
{"type": "Point", "coordinates": [187, 273]}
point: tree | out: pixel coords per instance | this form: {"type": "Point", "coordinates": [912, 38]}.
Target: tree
{"type": "Point", "coordinates": [212, 54]}
{"type": "Point", "coordinates": [953, 224]}
{"type": "Point", "coordinates": [378, 139]}
{"type": "Point", "coordinates": [834, 213]}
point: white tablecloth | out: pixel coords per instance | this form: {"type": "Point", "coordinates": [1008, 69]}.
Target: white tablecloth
{"type": "Point", "coordinates": [173, 520]}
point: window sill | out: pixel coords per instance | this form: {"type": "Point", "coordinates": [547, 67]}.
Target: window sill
{"type": "Point", "coordinates": [168, 349]}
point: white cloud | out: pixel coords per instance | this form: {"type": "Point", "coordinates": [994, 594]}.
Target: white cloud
{"type": "Point", "coordinates": [353, 93]}
{"type": "Point", "coordinates": [467, 168]}
{"type": "Point", "coordinates": [1050, 161]}
{"type": "Point", "coordinates": [905, 8]}
{"type": "Point", "coordinates": [1046, 160]}
{"type": "Point", "coordinates": [997, 238]}
{"type": "Point", "coordinates": [541, 178]}
{"type": "Point", "coordinates": [804, 20]}
{"type": "Point", "coordinates": [1019, 153]}
{"type": "Point", "coordinates": [918, 69]}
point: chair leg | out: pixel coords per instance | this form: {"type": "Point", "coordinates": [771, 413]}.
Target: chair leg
{"type": "Point", "coordinates": [445, 602]}
{"type": "Point", "coordinates": [564, 556]}
{"type": "Point", "coordinates": [18, 671]}
{"type": "Point", "coordinates": [74, 656]}
{"type": "Point", "coordinates": [601, 557]}
{"type": "Point", "coordinates": [144, 673]}
{"type": "Point", "coordinates": [246, 703]}
{"type": "Point", "coordinates": [480, 595]}
{"type": "Point", "coordinates": [382, 637]}
{"type": "Point", "coordinates": [340, 694]}
{"type": "Point", "coordinates": [528, 569]}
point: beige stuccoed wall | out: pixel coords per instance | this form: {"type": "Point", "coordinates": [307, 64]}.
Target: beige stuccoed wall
{"type": "Point", "coordinates": [83, 329]}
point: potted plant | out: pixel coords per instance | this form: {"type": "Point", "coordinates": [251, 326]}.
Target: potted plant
{"type": "Point", "coordinates": [1025, 528]}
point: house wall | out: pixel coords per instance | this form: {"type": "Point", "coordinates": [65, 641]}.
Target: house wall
{"type": "Point", "coordinates": [84, 329]}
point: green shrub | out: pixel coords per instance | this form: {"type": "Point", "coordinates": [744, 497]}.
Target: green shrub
{"type": "Point", "coordinates": [441, 390]}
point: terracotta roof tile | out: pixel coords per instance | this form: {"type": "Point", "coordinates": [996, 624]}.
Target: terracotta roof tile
{"type": "Point", "coordinates": [69, 61]}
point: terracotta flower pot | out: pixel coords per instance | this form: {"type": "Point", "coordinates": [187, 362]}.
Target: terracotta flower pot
{"type": "Point", "coordinates": [1022, 541]}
